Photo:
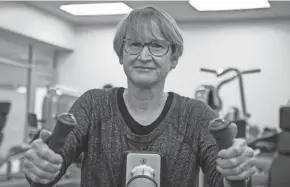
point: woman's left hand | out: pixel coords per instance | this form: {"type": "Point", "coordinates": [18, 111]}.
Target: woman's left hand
{"type": "Point", "coordinates": [236, 162]}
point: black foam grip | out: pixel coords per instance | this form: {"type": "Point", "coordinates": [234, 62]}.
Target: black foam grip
{"type": "Point", "coordinates": [224, 136]}
{"type": "Point", "coordinates": [65, 123]}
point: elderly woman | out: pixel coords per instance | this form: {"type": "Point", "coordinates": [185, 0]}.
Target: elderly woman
{"type": "Point", "coordinates": [142, 117]}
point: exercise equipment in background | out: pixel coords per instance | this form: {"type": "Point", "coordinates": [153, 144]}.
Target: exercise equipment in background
{"type": "Point", "coordinates": [265, 142]}
{"type": "Point", "coordinates": [4, 111]}
{"type": "Point", "coordinates": [279, 175]}
{"type": "Point", "coordinates": [211, 95]}
{"type": "Point", "coordinates": [10, 164]}
{"type": "Point", "coordinates": [273, 160]}
{"type": "Point", "coordinates": [56, 101]}
{"type": "Point", "coordinates": [108, 86]}
{"type": "Point", "coordinates": [265, 146]}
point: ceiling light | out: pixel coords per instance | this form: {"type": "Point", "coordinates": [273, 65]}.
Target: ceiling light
{"type": "Point", "coordinates": [96, 9]}
{"type": "Point", "coordinates": [219, 5]}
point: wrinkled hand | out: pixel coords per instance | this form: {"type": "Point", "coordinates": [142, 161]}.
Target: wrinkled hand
{"type": "Point", "coordinates": [41, 164]}
{"type": "Point", "coordinates": [236, 162]}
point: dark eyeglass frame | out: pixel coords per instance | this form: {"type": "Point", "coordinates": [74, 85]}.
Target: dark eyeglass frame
{"type": "Point", "coordinates": [146, 44]}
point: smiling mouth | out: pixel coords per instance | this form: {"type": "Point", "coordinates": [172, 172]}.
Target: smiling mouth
{"type": "Point", "coordinates": [143, 68]}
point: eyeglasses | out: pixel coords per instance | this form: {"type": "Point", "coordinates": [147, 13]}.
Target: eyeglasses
{"type": "Point", "coordinates": [157, 48]}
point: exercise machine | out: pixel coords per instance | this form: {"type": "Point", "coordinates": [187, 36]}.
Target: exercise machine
{"type": "Point", "coordinates": [142, 168]}
{"type": "Point", "coordinates": [224, 133]}
{"type": "Point", "coordinates": [273, 162]}
{"type": "Point", "coordinates": [4, 111]}
{"type": "Point", "coordinates": [280, 167]}
{"type": "Point", "coordinates": [265, 146]}
{"type": "Point", "coordinates": [56, 101]}
{"type": "Point", "coordinates": [211, 95]}
{"type": "Point", "coordinates": [108, 86]}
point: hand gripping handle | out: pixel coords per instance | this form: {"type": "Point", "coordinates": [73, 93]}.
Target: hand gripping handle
{"type": "Point", "coordinates": [65, 123]}
{"type": "Point", "coordinates": [224, 133]}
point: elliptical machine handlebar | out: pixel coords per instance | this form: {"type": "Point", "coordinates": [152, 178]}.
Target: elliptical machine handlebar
{"type": "Point", "coordinates": [235, 76]}
{"type": "Point", "coordinates": [238, 75]}
{"type": "Point", "coordinates": [252, 71]}
{"type": "Point", "coordinates": [208, 70]}
{"type": "Point", "coordinates": [225, 71]}
{"type": "Point", "coordinates": [219, 73]}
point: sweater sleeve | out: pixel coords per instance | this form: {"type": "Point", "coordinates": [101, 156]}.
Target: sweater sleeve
{"type": "Point", "coordinates": [76, 141]}
{"type": "Point", "coordinates": [207, 150]}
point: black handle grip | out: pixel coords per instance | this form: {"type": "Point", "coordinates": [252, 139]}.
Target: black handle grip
{"type": "Point", "coordinates": [208, 70]}
{"type": "Point", "coordinates": [65, 123]}
{"type": "Point", "coordinates": [224, 135]}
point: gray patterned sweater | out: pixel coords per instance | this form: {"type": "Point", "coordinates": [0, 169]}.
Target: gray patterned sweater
{"type": "Point", "coordinates": [102, 135]}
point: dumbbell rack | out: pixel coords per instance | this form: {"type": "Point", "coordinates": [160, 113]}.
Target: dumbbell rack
{"type": "Point", "coordinates": [279, 175]}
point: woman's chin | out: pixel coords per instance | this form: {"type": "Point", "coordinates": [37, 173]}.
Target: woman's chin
{"type": "Point", "coordinates": [144, 82]}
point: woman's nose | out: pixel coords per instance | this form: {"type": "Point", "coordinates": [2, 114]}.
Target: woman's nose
{"type": "Point", "coordinates": [145, 54]}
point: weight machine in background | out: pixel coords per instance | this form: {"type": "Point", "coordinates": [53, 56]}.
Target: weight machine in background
{"type": "Point", "coordinates": [272, 159]}
{"type": "Point", "coordinates": [56, 101]}
{"type": "Point", "coordinates": [211, 95]}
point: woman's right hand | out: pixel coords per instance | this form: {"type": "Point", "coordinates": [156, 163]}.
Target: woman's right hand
{"type": "Point", "coordinates": [41, 164]}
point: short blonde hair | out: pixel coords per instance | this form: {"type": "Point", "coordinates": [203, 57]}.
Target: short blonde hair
{"type": "Point", "coordinates": [139, 18]}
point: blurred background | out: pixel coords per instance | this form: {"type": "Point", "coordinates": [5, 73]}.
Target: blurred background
{"type": "Point", "coordinates": [49, 55]}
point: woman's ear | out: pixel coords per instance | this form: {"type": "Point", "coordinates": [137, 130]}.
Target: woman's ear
{"type": "Point", "coordinates": [121, 60]}
{"type": "Point", "coordinates": [174, 63]}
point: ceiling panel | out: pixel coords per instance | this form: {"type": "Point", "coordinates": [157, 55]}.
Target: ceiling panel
{"type": "Point", "coordinates": [180, 10]}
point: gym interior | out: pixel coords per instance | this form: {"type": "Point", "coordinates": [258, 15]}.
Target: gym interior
{"type": "Point", "coordinates": [236, 61]}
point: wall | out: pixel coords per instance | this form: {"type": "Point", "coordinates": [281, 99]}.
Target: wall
{"type": "Point", "coordinates": [244, 44]}
{"type": "Point", "coordinates": [26, 25]}
{"type": "Point", "coordinates": [94, 62]}
{"type": "Point", "coordinates": [257, 44]}
{"type": "Point", "coordinates": [35, 24]}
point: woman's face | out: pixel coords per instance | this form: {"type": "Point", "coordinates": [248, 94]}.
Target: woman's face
{"type": "Point", "coordinates": [146, 66]}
